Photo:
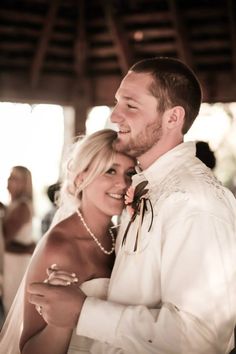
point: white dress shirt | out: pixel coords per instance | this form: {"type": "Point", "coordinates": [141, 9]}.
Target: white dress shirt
{"type": "Point", "coordinates": [177, 292]}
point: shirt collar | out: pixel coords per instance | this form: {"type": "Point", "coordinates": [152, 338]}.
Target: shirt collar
{"type": "Point", "coordinates": [166, 163]}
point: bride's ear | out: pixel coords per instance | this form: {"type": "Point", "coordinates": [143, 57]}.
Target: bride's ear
{"type": "Point", "coordinates": [78, 180]}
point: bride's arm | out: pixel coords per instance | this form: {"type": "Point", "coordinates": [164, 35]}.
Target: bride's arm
{"type": "Point", "coordinates": [37, 335]}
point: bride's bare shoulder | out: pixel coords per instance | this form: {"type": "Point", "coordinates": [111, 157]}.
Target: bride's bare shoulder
{"type": "Point", "coordinates": [63, 232]}
{"type": "Point", "coordinates": [58, 246]}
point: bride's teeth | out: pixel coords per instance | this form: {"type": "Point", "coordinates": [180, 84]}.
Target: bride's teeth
{"type": "Point", "coordinates": [116, 196]}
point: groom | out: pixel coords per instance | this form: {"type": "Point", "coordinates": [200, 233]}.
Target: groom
{"type": "Point", "coordinates": [173, 286]}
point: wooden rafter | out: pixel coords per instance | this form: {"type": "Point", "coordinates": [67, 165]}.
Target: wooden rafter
{"type": "Point", "coordinates": [93, 43]}
{"type": "Point", "coordinates": [42, 47]}
{"type": "Point", "coordinates": [183, 47]}
{"type": "Point", "coordinates": [82, 90]}
{"type": "Point", "coordinates": [119, 37]}
{"type": "Point", "coordinates": [80, 46]}
{"type": "Point", "coordinates": [232, 26]}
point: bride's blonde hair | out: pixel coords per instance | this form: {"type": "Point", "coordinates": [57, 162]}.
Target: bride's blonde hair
{"type": "Point", "coordinates": [93, 154]}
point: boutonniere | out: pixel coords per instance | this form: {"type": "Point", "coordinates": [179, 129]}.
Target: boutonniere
{"type": "Point", "coordinates": [136, 200]}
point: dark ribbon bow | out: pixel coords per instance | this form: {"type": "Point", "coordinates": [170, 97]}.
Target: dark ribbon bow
{"type": "Point", "coordinates": [136, 204]}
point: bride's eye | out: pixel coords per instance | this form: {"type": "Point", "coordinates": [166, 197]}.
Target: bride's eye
{"type": "Point", "coordinates": [131, 172]}
{"type": "Point", "coordinates": [111, 171]}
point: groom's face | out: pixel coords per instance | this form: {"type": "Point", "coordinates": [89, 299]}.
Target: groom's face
{"type": "Point", "coordinates": [136, 114]}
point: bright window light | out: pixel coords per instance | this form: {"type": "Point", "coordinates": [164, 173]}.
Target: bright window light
{"type": "Point", "coordinates": [212, 125]}
{"type": "Point", "coordinates": [31, 136]}
{"type": "Point", "coordinates": [98, 118]}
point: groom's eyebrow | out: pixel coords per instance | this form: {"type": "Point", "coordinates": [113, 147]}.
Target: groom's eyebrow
{"type": "Point", "coordinates": [125, 97]}
{"type": "Point", "coordinates": [128, 98]}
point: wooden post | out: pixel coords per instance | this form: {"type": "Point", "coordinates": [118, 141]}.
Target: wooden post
{"type": "Point", "coordinates": [82, 104]}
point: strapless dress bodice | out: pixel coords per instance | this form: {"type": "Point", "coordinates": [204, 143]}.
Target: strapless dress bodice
{"type": "Point", "coordinates": [97, 288]}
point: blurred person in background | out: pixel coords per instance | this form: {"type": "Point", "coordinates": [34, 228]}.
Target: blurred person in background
{"type": "Point", "coordinates": [52, 192]}
{"type": "Point", "coordinates": [205, 154]}
{"type": "Point", "coordinates": [17, 227]}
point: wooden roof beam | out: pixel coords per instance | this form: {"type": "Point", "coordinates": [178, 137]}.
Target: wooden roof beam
{"type": "Point", "coordinates": [123, 49]}
{"type": "Point", "coordinates": [232, 26]}
{"type": "Point", "coordinates": [183, 46]}
{"type": "Point", "coordinates": [80, 46]}
{"type": "Point", "coordinates": [82, 88]}
{"type": "Point", "coordinates": [42, 47]}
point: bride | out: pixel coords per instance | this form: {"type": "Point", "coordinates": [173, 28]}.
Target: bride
{"type": "Point", "coordinates": [81, 240]}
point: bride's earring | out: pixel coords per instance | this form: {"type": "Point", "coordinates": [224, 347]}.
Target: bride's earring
{"type": "Point", "coordinates": [77, 184]}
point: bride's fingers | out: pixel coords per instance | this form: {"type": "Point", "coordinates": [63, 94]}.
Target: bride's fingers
{"type": "Point", "coordinates": [53, 267]}
{"type": "Point", "coordinates": [59, 272]}
{"type": "Point", "coordinates": [63, 275]}
{"type": "Point", "coordinates": [57, 276]}
{"type": "Point", "coordinates": [63, 272]}
{"type": "Point", "coordinates": [60, 281]}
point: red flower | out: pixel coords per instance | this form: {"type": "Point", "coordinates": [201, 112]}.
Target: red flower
{"type": "Point", "coordinates": [129, 197]}
{"type": "Point", "coordinates": [134, 196]}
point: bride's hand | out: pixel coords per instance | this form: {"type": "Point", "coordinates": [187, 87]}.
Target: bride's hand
{"type": "Point", "coordinates": [56, 276]}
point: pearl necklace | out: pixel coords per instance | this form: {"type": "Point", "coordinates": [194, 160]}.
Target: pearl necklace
{"type": "Point", "coordinates": [95, 238]}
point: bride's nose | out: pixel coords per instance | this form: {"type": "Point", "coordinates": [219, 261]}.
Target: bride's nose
{"type": "Point", "coordinates": [121, 182]}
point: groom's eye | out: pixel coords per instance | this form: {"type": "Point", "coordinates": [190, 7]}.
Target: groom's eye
{"type": "Point", "coordinates": [131, 106]}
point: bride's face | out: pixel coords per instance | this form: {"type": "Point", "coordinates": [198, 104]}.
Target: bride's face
{"type": "Point", "coordinates": [106, 192]}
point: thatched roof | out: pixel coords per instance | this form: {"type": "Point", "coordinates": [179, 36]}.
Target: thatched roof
{"type": "Point", "coordinates": [74, 52]}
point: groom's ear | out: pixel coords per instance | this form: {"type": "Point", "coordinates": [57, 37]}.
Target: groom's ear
{"type": "Point", "coordinates": [174, 117]}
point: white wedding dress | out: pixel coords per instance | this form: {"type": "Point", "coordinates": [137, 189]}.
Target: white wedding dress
{"type": "Point", "coordinates": [97, 288]}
